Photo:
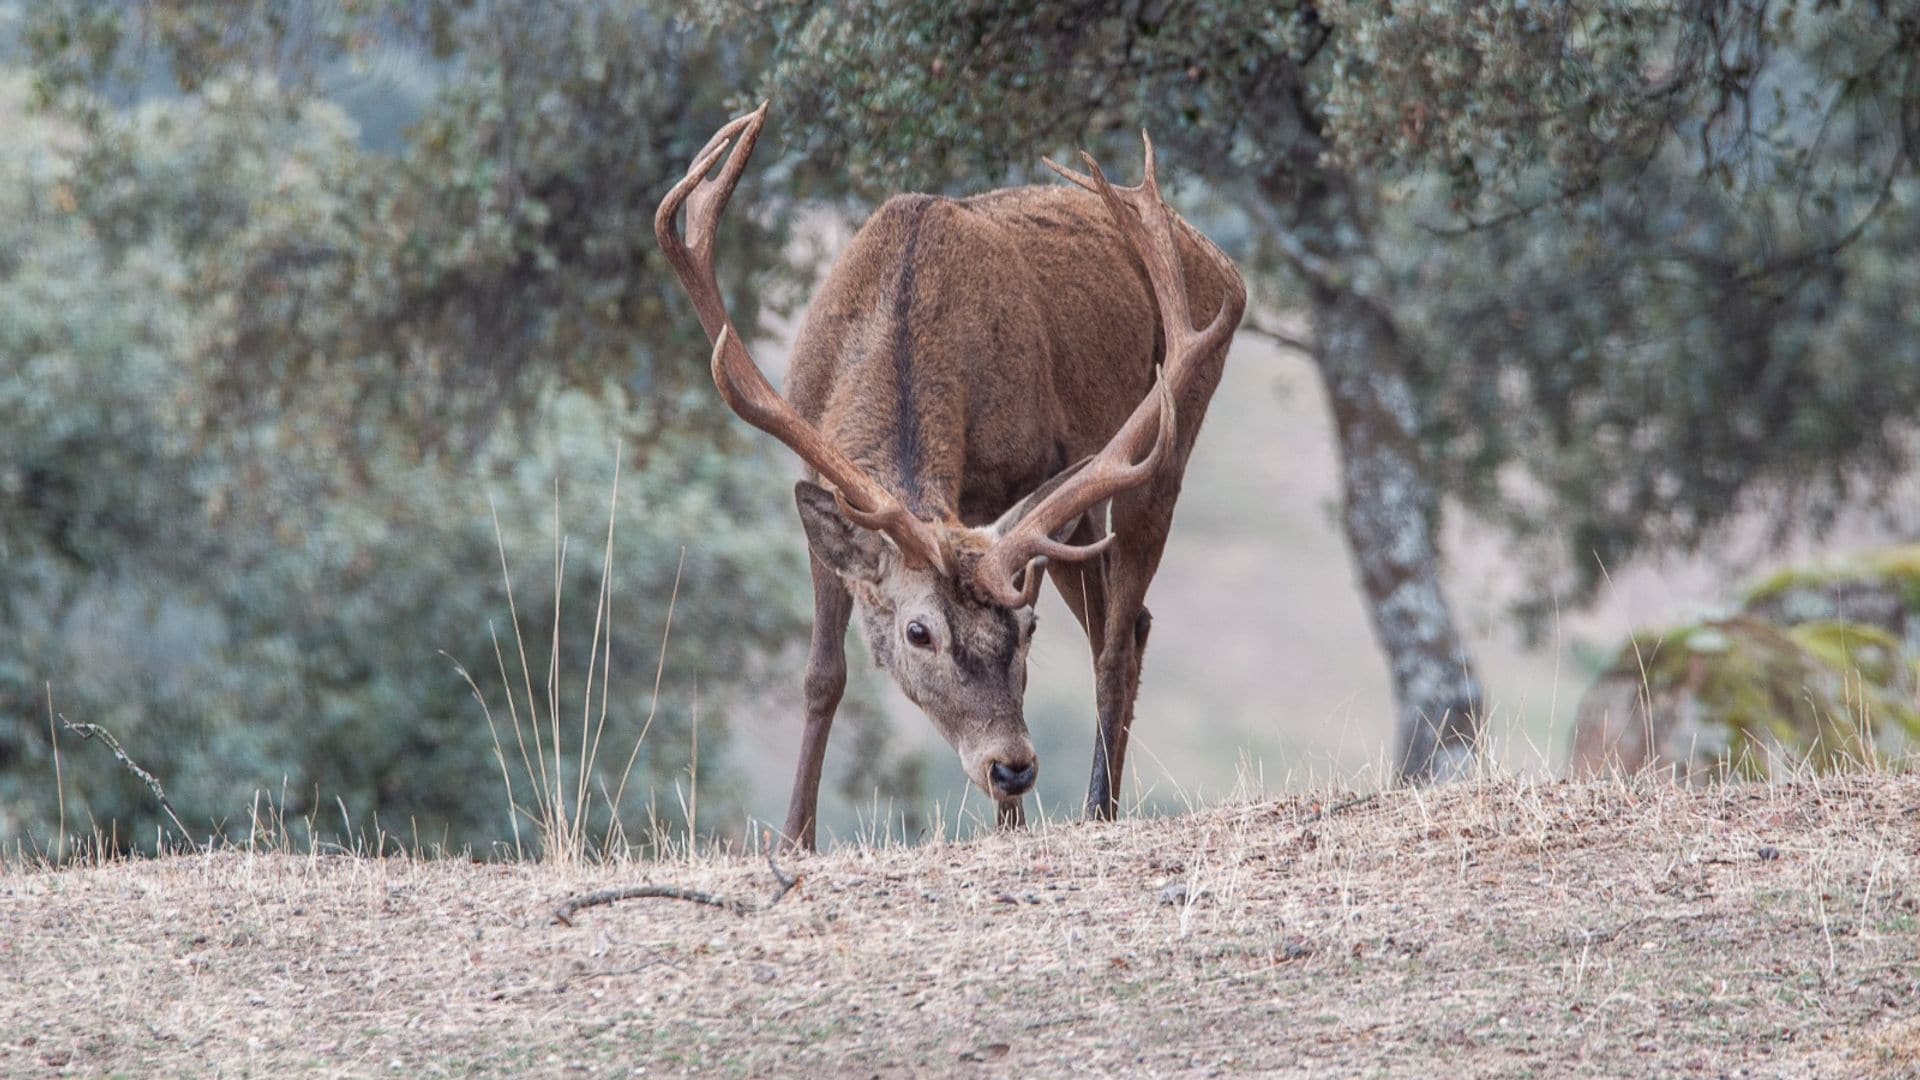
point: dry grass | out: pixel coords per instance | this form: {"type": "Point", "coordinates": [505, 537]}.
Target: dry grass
{"type": "Point", "coordinates": [1500, 928]}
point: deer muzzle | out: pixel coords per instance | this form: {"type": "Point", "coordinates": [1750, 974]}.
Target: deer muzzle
{"type": "Point", "coordinates": [1004, 768]}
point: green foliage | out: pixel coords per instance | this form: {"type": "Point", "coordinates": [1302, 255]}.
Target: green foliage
{"type": "Point", "coordinates": [919, 93]}
{"type": "Point", "coordinates": [1644, 388]}
{"type": "Point", "coordinates": [1504, 97]}
{"type": "Point", "coordinates": [1520, 105]}
{"type": "Point", "coordinates": [1747, 695]}
{"type": "Point", "coordinates": [247, 609]}
{"type": "Point", "coordinates": [1895, 570]}
{"type": "Point", "coordinates": [508, 243]}
{"type": "Point", "coordinates": [1714, 315]}
{"type": "Point", "coordinates": [251, 377]}
{"type": "Point", "coordinates": [522, 217]}
{"type": "Point", "coordinates": [1878, 588]}
{"type": "Point", "coordinates": [1650, 261]}
{"type": "Point", "coordinates": [1818, 669]}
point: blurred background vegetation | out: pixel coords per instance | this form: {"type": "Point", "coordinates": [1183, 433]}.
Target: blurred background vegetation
{"type": "Point", "coordinates": [297, 298]}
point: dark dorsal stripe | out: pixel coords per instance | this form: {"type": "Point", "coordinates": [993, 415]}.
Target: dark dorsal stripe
{"type": "Point", "coordinates": [906, 428]}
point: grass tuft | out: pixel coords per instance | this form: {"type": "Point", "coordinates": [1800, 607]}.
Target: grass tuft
{"type": "Point", "coordinates": [551, 777]}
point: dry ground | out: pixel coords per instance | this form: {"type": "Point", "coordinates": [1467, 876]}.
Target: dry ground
{"type": "Point", "coordinates": [1502, 928]}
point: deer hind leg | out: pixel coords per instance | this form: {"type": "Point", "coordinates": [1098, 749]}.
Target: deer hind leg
{"type": "Point", "coordinates": [1083, 586]}
{"type": "Point", "coordinates": [826, 680]}
{"type": "Point", "coordinates": [1129, 568]}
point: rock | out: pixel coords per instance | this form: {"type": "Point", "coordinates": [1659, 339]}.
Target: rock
{"type": "Point", "coordinates": [1749, 697]}
{"type": "Point", "coordinates": [1877, 588]}
{"type": "Point", "coordinates": [1176, 893]}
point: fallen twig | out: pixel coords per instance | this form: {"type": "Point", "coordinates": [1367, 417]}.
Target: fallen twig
{"type": "Point", "coordinates": [95, 731]}
{"type": "Point", "coordinates": [565, 912]}
{"type": "Point", "coordinates": [1583, 936]}
{"type": "Point", "coordinates": [1304, 831]}
{"type": "Point", "coordinates": [573, 904]}
{"type": "Point", "coordinates": [787, 882]}
{"type": "Point", "coordinates": [1344, 805]}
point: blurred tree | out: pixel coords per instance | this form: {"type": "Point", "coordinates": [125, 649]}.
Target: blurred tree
{"type": "Point", "coordinates": [1711, 209]}
{"type": "Point", "coordinates": [246, 611]}
{"type": "Point", "coordinates": [1597, 268]}
{"type": "Point", "coordinates": [510, 241]}
{"type": "Point", "coordinates": [250, 408]}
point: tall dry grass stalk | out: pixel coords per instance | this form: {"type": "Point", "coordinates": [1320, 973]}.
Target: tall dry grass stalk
{"type": "Point", "coordinates": [59, 849]}
{"type": "Point", "coordinates": [557, 793]}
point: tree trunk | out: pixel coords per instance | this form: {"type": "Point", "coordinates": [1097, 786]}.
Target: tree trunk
{"type": "Point", "coordinates": [1389, 515]}
{"type": "Point", "coordinates": [1320, 221]}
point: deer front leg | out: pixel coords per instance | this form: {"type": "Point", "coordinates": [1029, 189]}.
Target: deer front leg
{"type": "Point", "coordinates": [826, 680]}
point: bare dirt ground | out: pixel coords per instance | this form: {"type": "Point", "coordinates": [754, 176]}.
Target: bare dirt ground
{"type": "Point", "coordinates": [1501, 928]}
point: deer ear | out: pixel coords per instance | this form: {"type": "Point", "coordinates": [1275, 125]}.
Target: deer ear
{"type": "Point", "coordinates": [1025, 506]}
{"type": "Point", "coordinates": [845, 548]}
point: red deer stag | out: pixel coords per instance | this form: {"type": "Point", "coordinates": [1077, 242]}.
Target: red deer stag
{"type": "Point", "coordinates": [981, 386]}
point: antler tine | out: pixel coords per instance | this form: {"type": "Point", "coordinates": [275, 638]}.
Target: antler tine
{"type": "Point", "coordinates": [1024, 548]}
{"type": "Point", "coordinates": [740, 381]}
{"type": "Point", "coordinates": [1149, 229]}
{"type": "Point", "coordinates": [1095, 180]}
{"type": "Point", "coordinates": [705, 198]}
{"type": "Point", "coordinates": [747, 392]}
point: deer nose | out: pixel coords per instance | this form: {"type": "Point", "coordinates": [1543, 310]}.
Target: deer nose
{"type": "Point", "coordinates": [1010, 780]}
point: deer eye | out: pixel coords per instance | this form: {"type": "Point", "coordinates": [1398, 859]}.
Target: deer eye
{"type": "Point", "coordinates": [918, 635]}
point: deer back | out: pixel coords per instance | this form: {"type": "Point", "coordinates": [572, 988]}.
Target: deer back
{"type": "Point", "coordinates": [965, 350]}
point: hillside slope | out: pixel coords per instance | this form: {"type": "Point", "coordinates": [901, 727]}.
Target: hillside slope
{"type": "Point", "coordinates": [1502, 928]}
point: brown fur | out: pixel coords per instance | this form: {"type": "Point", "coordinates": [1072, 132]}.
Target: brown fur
{"type": "Point", "coordinates": [1030, 336]}
{"type": "Point", "coordinates": [957, 369]}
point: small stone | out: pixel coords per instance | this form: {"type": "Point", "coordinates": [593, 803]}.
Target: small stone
{"type": "Point", "coordinates": [989, 1052]}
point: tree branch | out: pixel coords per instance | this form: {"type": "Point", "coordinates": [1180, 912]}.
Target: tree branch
{"type": "Point", "coordinates": [1278, 337]}
{"type": "Point", "coordinates": [95, 731]}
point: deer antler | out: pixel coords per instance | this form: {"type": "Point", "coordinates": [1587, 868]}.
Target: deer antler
{"type": "Point", "coordinates": [1009, 569]}
{"type": "Point", "coordinates": [742, 385]}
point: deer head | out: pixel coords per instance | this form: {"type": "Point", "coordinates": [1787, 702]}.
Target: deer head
{"type": "Point", "coordinates": [961, 657]}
